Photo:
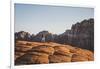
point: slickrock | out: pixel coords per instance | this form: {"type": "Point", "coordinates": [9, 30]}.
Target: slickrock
{"type": "Point", "coordinates": [61, 50]}
{"type": "Point", "coordinates": [32, 59]}
{"type": "Point", "coordinates": [59, 59]}
{"type": "Point", "coordinates": [49, 52]}
{"type": "Point", "coordinates": [22, 48]}
{"type": "Point", "coordinates": [77, 57]}
{"type": "Point", "coordinates": [45, 49]}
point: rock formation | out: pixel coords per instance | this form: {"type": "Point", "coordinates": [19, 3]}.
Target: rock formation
{"type": "Point", "coordinates": [44, 53]}
{"type": "Point", "coordinates": [80, 35]}
{"type": "Point", "coordinates": [22, 36]}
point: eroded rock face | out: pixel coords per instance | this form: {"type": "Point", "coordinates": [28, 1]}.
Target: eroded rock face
{"type": "Point", "coordinates": [80, 35]}
{"type": "Point", "coordinates": [22, 35]}
{"type": "Point", "coordinates": [61, 50]}
{"type": "Point", "coordinates": [32, 58]}
{"type": "Point", "coordinates": [82, 55]}
{"type": "Point", "coordinates": [83, 33]}
{"type": "Point", "coordinates": [44, 53]}
{"type": "Point", "coordinates": [59, 58]}
{"type": "Point", "coordinates": [38, 37]}
{"type": "Point", "coordinates": [43, 49]}
{"type": "Point", "coordinates": [78, 57]}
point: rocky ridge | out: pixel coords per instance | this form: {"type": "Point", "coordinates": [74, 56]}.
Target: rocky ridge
{"type": "Point", "coordinates": [81, 35]}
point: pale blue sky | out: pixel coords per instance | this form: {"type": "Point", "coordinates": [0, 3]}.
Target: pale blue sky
{"type": "Point", "coordinates": [56, 19]}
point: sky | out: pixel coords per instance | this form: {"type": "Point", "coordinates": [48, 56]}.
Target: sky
{"type": "Point", "coordinates": [55, 19]}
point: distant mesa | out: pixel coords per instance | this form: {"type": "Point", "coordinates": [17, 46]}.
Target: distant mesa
{"type": "Point", "coordinates": [81, 35]}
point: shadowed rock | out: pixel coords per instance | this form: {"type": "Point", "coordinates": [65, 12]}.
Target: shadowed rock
{"type": "Point", "coordinates": [32, 58]}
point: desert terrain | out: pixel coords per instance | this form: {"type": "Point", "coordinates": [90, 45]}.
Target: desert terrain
{"type": "Point", "coordinates": [27, 52]}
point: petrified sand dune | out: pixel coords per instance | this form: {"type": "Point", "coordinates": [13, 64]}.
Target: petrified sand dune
{"type": "Point", "coordinates": [61, 50]}
{"type": "Point", "coordinates": [59, 58]}
{"type": "Point", "coordinates": [49, 52]}
{"type": "Point", "coordinates": [32, 58]}
{"type": "Point", "coordinates": [77, 57]}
